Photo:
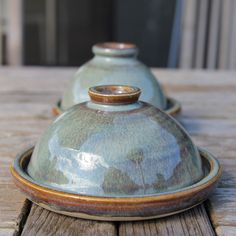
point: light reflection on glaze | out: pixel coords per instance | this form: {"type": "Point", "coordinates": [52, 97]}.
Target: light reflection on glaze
{"type": "Point", "coordinates": [84, 160]}
{"type": "Point", "coordinates": [102, 153]}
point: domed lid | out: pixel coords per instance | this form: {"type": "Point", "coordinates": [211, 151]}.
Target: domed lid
{"type": "Point", "coordinates": [113, 63]}
{"type": "Point", "coordinates": [115, 145]}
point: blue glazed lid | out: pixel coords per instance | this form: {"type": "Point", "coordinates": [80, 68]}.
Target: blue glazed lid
{"type": "Point", "coordinates": [115, 145]}
{"type": "Point", "coordinates": [113, 63]}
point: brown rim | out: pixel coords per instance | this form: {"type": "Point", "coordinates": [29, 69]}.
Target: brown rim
{"type": "Point", "coordinates": [116, 45]}
{"type": "Point", "coordinates": [173, 107]}
{"type": "Point", "coordinates": [114, 94]}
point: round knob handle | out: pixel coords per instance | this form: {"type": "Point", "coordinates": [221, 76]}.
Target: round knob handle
{"type": "Point", "coordinates": [114, 94]}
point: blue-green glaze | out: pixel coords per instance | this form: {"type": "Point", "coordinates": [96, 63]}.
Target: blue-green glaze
{"type": "Point", "coordinates": [113, 64]}
{"type": "Point", "coordinates": [115, 150]}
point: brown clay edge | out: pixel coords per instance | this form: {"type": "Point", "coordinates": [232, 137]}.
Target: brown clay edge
{"type": "Point", "coordinates": [129, 94]}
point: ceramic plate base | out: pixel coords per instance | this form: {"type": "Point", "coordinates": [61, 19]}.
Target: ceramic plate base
{"type": "Point", "coordinates": [117, 208]}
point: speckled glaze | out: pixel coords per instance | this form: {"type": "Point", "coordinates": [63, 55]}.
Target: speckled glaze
{"type": "Point", "coordinates": [114, 63]}
{"type": "Point", "coordinates": [115, 146]}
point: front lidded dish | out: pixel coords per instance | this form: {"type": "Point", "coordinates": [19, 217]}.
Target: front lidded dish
{"type": "Point", "coordinates": [115, 145]}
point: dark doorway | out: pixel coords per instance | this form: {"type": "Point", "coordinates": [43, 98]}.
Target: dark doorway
{"type": "Point", "coordinates": [60, 32]}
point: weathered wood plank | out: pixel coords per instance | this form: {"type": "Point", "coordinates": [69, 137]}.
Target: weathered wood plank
{"type": "Point", "coordinates": [214, 127]}
{"type": "Point", "coordinates": [37, 97]}
{"type": "Point", "coordinates": [26, 111]}
{"type": "Point", "coordinates": [222, 207]}
{"type": "Point", "coordinates": [43, 222]}
{"type": "Point", "coordinates": [21, 219]}
{"type": "Point", "coordinates": [11, 202]}
{"type": "Point", "coordinates": [34, 79]}
{"type": "Point", "coordinates": [226, 231]}
{"type": "Point", "coordinates": [192, 222]}
{"type": "Point", "coordinates": [17, 133]}
{"type": "Point", "coordinates": [208, 109]}
{"type": "Point", "coordinates": [224, 150]}
{"type": "Point", "coordinates": [7, 232]}
{"type": "Point", "coordinates": [55, 79]}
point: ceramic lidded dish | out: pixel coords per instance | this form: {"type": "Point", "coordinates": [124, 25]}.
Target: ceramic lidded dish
{"type": "Point", "coordinates": [115, 63]}
{"type": "Point", "coordinates": [116, 158]}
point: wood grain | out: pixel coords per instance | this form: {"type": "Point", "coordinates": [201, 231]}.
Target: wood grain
{"type": "Point", "coordinates": [21, 219]}
{"type": "Point", "coordinates": [43, 222]}
{"type": "Point", "coordinates": [224, 150]}
{"type": "Point", "coordinates": [193, 222]}
{"type": "Point", "coordinates": [222, 207]}
{"type": "Point", "coordinates": [7, 232]}
{"type": "Point", "coordinates": [225, 230]}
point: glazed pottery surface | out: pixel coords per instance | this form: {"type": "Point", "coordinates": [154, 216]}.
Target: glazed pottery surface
{"type": "Point", "coordinates": [115, 146]}
{"type": "Point", "coordinates": [114, 63]}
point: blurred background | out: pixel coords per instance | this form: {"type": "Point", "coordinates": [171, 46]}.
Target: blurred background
{"type": "Point", "coordinates": [169, 33]}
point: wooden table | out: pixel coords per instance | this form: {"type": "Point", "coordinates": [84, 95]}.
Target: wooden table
{"type": "Point", "coordinates": [209, 114]}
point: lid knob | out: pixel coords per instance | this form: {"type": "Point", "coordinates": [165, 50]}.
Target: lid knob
{"type": "Point", "coordinates": [114, 94]}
